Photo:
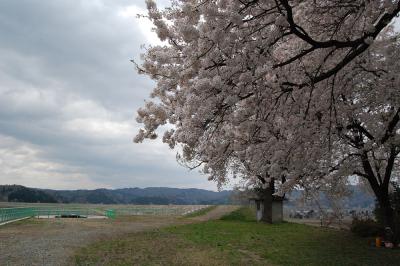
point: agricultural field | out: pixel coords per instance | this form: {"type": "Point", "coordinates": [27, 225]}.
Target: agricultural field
{"type": "Point", "coordinates": [54, 241]}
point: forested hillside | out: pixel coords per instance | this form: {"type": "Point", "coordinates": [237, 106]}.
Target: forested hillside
{"type": "Point", "coordinates": [159, 195]}
{"type": "Point", "coordinates": [154, 195]}
{"type": "Point", "coordinates": [16, 193]}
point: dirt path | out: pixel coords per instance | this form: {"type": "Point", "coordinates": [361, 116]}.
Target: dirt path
{"type": "Point", "coordinates": [216, 213]}
{"type": "Point", "coordinates": [53, 241]}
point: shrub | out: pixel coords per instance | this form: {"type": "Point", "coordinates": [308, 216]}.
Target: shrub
{"type": "Point", "coordinates": [366, 228]}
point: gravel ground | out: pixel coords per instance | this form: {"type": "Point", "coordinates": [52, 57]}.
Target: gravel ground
{"type": "Point", "coordinates": [53, 241]}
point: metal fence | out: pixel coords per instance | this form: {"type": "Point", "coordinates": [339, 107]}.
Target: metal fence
{"type": "Point", "coordinates": [85, 212]}
{"type": "Point", "coordinates": [10, 214]}
{"type": "Point", "coordinates": [166, 210]}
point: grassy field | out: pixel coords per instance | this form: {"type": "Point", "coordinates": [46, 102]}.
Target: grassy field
{"type": "Point", "coordinates": [237, 239]}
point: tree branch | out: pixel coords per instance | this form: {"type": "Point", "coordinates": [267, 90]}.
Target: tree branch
{"type": "Point", "coordinates": [392, 125]}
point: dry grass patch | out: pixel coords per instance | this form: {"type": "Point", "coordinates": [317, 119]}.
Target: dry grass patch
{"type": "Point", "coordinates": [148, 248]}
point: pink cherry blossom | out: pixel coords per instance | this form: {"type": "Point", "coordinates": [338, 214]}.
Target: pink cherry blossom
{"type": "Point", "coordinates": [286, 93]}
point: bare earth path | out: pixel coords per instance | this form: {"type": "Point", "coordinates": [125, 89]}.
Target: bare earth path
{"type": "Point", "coordinates": [216, 213]}
{"type": "Point", "coordinates": [53, 241]}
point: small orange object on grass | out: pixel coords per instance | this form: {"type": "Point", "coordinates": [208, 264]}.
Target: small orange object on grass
{"type": "Point", "coordinates": [378, 242]}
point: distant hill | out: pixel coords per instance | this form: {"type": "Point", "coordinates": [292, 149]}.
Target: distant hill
{"type": "Point", "coordinates": [152, 195]}
{"type": "Point", "coordinates": [358, 199]}
{"type": "Point", "coordinates": [16, 193]}
{"type": "Point", "coordinates": [159, 196]}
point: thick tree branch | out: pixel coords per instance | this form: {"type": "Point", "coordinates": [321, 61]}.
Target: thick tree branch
{"type": "Point", "coordinates": [357, 46]}
{"type": "Point", "coordinates": [392, 125]}
{"type": "Point", "coordinates": [370, 173]}
{"type": "Point", "coordinates": [389, 167]}
{"type": "Point", "coordinates": [361, 129]}
{"type": "Point", "coordinates": [383, 21]}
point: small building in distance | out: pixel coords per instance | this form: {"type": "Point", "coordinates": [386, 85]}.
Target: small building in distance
{"type": "Point", "coordinates": [268, 208]}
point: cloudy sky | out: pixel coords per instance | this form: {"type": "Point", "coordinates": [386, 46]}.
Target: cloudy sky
{"type": "Point", "coordinates": [69, 94]}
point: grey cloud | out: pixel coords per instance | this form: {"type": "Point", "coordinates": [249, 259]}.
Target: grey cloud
{"type": "Point", "coordinates": [88, 48]}
{"type": "Point", "coordinates": [69, 93]}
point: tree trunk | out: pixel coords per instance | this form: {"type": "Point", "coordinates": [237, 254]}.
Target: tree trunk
{"type": "Point", "coordinates": [386, 210]}
{"type": "Point", "coordinates": [267, 202]}
{"type": "Point", "coordinates": [381, 189]}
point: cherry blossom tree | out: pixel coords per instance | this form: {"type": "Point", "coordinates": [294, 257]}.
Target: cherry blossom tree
{"type": "Point", "coordinates": [275, 92]}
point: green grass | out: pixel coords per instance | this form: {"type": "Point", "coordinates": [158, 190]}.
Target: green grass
{"type": "Point", "coordinates": [237, 239]}
{"type": "Point", "coordinates": [240, 215]}
{"type": "Point", "coordinates": [200, 212]}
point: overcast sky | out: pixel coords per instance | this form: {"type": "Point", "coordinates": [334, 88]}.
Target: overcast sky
{"type": "Point", "coordinates": [69, 95]}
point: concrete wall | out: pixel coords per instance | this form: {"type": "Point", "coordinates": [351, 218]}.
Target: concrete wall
{"type": "Point", "coordinates": [274, 213]}
{"type": "Point", "coordinates": [277, 212]}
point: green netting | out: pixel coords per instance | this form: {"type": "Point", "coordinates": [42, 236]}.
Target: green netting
{"type": "Point", "coordinates": [110, 214]}
{"type": "Point", "coordinates": [9, 214]}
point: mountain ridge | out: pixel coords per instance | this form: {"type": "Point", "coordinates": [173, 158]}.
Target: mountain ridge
{"type": "Point", "coordinates": [160, 196]}
{"type": "Point", "coordinates": [149, 195]}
